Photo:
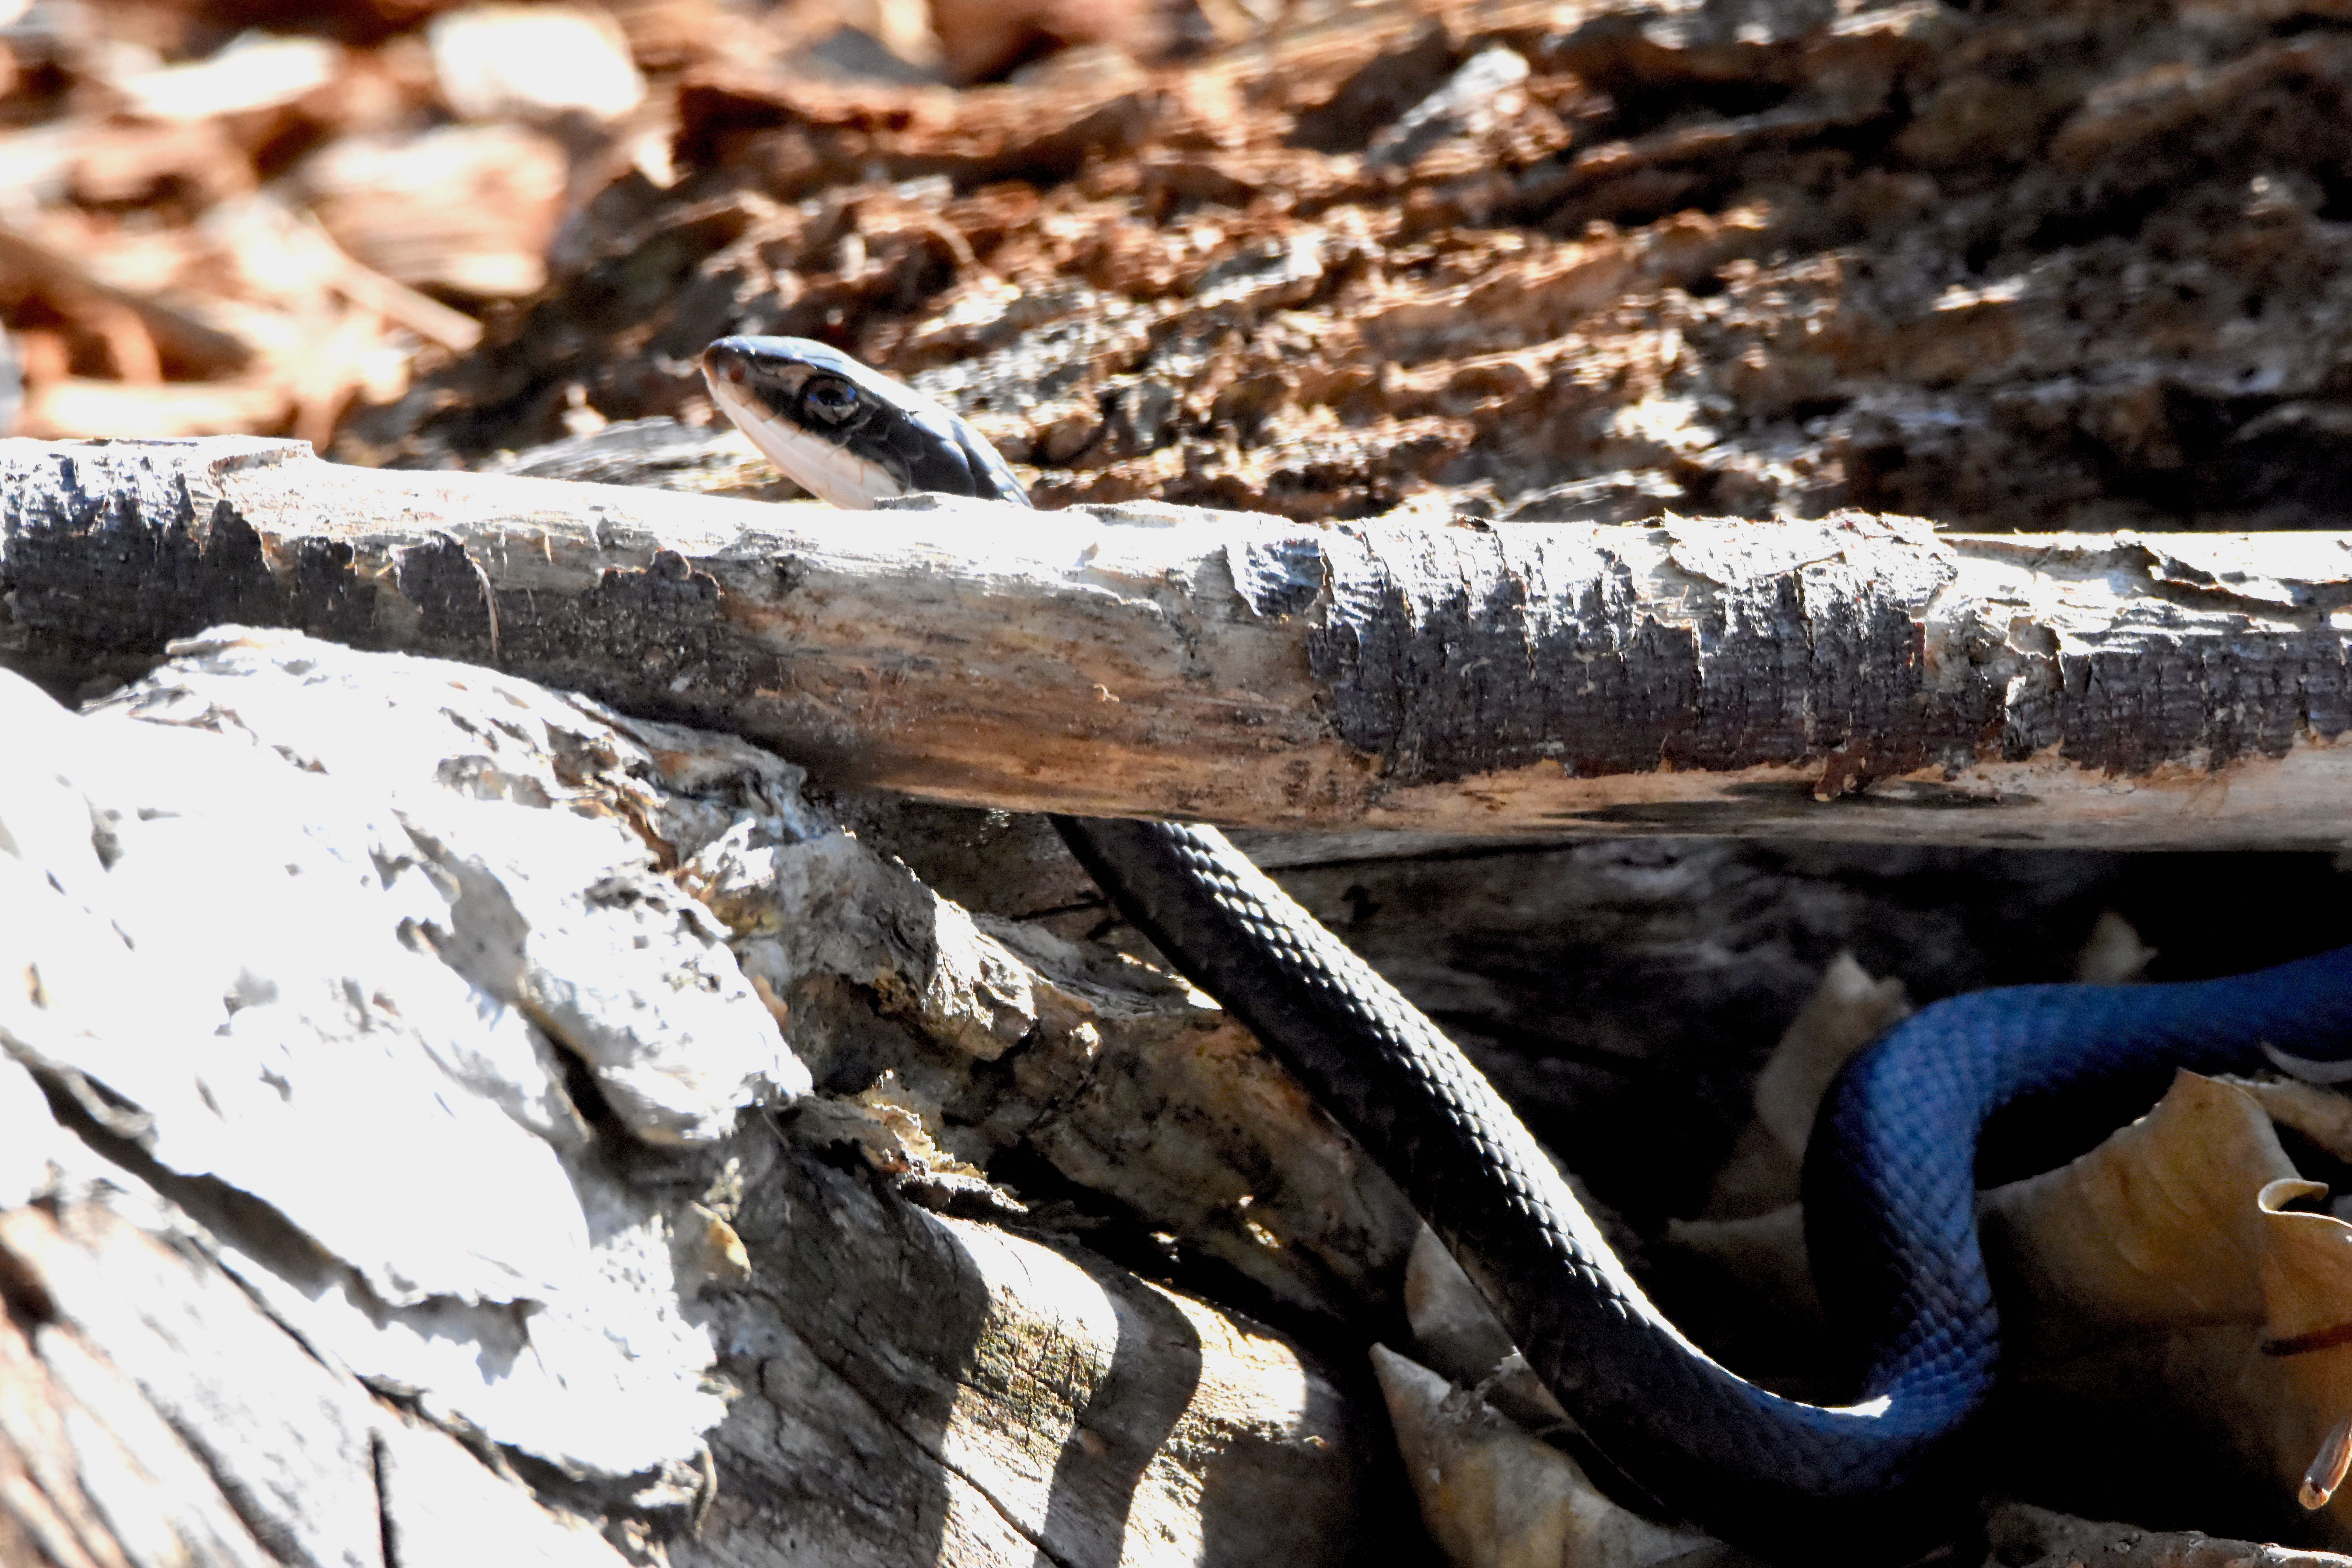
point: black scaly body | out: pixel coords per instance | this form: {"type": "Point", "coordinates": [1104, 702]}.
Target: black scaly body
{"type": "Point", "coordinates": [1889, 1192]}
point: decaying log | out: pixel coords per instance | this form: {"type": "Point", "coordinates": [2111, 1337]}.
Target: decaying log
{"type": "Point", "coordinates": [2023, 1536]}
{"type": "Point", "coordinates": [380, 1026]}
{"type": "Point", "coordinates": [369, 1076]}
{"type": "Point", "coordinates": [1857, 678]}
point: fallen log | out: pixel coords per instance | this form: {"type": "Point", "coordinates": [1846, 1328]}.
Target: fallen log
{"type": "Point", "coordinates": [1857, 677]}
{"type": "Point", "coordinates": [374, 1187]}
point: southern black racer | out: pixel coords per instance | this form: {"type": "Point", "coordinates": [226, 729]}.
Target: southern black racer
{"type": "Point", "coordinates": [1888, 1185]}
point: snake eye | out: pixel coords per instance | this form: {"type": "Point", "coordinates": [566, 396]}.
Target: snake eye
{"type": "Point", "coordinates": [831, 399]}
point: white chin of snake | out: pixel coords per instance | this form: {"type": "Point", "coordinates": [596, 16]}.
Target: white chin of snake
{"type": "Point", "coordinates": [829, 472]}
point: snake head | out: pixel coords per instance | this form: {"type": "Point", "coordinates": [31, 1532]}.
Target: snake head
{"type": "Point", "coordinates": [846, 434]}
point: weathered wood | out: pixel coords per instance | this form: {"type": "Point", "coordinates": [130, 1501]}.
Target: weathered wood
{"type": "Point", "coordinates": [369, 1073]}
{"type": "Point", "coordinates": [1858, 677]}
{"type": "Point", "coordinates": [2021, 1535]}
{"type": "Point", "coordinates": [980, 1397]}
{"type": "Point", "coordinates": [1115, 1078]}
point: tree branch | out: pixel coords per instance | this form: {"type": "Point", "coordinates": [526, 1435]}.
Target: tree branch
{"type": "Point", "coordinates": [1858, 677]}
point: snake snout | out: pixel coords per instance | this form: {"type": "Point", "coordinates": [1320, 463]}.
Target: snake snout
{"type": "Point", "coordinates": [724, 361]}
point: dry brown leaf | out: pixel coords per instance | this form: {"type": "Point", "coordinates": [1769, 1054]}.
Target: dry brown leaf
{"type": "Point", "coordinates": [1494, 1496]}
{"type": "Point", "coordinates": [495, 61]}
{"type": "Point", "coordinates": [1763, 1251]}
{"type": "Point", "coordinates": [1846, 1011]}
{"type": "Point", "coordinates": [2320, 1114]}
{"type": "Point", "coordinates": [2166, 1276]}
{"type": "Point", "coordinates": [2112, 955]}
{"type": "Point", "coordinates": [254, 72]}
{"type": "Point", "coordinates": [464, 207]}
{"type": "Point", "coordinates": [2154, 1229]}
{"type": "Point", "coordinates": [2161, 1299]}
{"type": "Point", "coordinates": [2307, 1273]}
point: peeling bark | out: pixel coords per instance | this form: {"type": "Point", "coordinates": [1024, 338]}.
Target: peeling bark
{"type": "Point", "coordinates": [374, 1189]}
{"type": "Point", "coordinates": [1859, 678]}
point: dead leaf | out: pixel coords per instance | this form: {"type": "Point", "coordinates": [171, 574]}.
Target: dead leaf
{"type": "Point", "coordinates": [2168, 1280]}
{"type": "Point", "coordinates": [1494, 1496]}
{"type": "Point", "coordinates": [2154, 1229]}
{"type": "Point", "coordinates": [1847, 1010]}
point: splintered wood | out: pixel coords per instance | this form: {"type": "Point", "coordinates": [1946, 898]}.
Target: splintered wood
{"type": "Point", "coordinates": [2067, 267]}
{"type": "Point", "coordinates": [1856, 677]}
{"type": "Point", "coordinates": [258, 230]}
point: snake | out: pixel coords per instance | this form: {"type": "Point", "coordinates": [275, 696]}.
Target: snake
{"type": "Point", "coordinates": [1888, 1183]}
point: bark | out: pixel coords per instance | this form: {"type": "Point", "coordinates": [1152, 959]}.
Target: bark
{"type": "Point", "coordinates": [1859, 678]}
{"type": "Point", "coordinates": [2022, 1536]}
{"type": "Point", "coordinates": [372, 1189]}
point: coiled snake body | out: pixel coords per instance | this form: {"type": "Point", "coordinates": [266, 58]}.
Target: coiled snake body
{"type": "Point", "coordinates": [1889, 1191]}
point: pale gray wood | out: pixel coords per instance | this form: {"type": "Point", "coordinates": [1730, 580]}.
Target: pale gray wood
{"type": "Point", "coordinates": [334, 1128]}
{"type": "Point", "coordinates": [935, 1389]}
{"type": "Point", "coordinates": [1856, 677]}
